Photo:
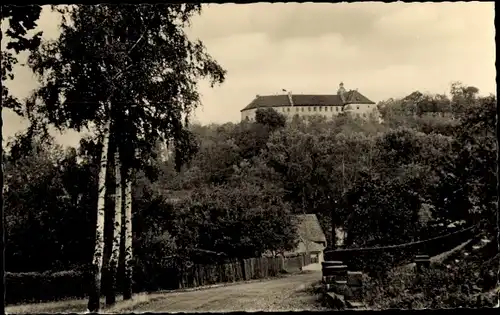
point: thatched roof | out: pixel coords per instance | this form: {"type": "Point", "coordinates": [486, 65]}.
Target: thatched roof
{"type": "Point", "coordinates": [309, 229]}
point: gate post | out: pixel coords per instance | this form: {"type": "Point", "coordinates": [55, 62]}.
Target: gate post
{"type": "Point", "coordinates": [421, 262]}
{"type": "Point", "coordinates": [334, 274]}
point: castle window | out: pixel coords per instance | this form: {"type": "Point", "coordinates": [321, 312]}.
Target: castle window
{"type": "Point", "coordinates": [337, 108]}
{"type": "Point", "coordinates": [319, 108]}
{"type": "Point", "coordinates": [302, 109]}
{"type": "Point", "coordinates": [364, 115]}
{"type": "Point", "coordinates": [331, 109]}
{"type": "Point", "coordinates": [288, 109]}
{"type": "Point", "coordinates": [357, 107]}
{"type": "Point", "coordinates": [314, 108]}
{"type": "Point", "coordinates": [309, 108]}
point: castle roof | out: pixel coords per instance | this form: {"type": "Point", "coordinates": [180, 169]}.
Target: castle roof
{"type": "Point", "coordinates": [266, 101]}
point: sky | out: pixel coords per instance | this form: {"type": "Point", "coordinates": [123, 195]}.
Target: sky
{"type": "Point", "coordinates": [382, 49]}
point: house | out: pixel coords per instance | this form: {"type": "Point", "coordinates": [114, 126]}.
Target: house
{"type": "Point", "coordinates": [311, 238]}
{"type": "Point", "coordinates": [312, 105]}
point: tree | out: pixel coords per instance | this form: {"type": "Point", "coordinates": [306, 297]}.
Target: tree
{"type": "Point", "coordinates": [381, 212]}
{"type": "Point", "coordinates": [48, 193]}
{"type": "Point", "coordinates": [240, 221]}
{"type": "Point", "coordinates": [462, 97]}
{"type": "Point", "coordinates": [270, 117]}
{"type": "Point", "coordinates": [316, 168]}
{"type": "Point", "coordinates": [130, 66]}
{"type": "Point", "coordinates": [476, 155]}
{"type": "Point", "coordinates": [250, 139]}
{"type": "Point", "coordinates": [97, 262]}
{"type": "Point", "coordinates": [186, 147]}
{"type": "Point", "coordinates": [116, 241]}
{"type": "Point", "coordinates": [20, 20]}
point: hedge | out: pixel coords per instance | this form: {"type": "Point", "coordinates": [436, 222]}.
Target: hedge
{"type": "Point", "coordinates": [24, 287]}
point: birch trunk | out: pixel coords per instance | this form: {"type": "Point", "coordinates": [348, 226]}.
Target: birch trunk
{"type": "Point", "coordinates": [2, 214]}
{"type": "Point", "coordinates": [127, 235]}
{"type": "Point", "coordinates": [97, 262]}
{"type": "Point", "coordinates": [117, 222]}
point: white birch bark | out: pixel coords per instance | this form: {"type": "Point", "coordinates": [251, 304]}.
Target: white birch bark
{"type": "Point", "coordinates": [117, 222]}
{"type": "Point", "coordinates": [97, 262]}
{"type": "Point", "coordinates": [127, 233]}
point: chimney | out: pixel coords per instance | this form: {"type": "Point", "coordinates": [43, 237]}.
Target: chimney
{"type": "Point", "coordinates": [290, 98]}
{"type": "Point", "coordinates": [341, 92]}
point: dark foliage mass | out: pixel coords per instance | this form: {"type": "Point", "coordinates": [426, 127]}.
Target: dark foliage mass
{"type": "Point", "coordinates": [392, 185]}
{"type": "Point", "coordinates": [20, 21]}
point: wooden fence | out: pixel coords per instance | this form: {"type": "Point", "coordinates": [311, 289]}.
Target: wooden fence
{"type": "Point", "coordinates": [378, 259]}
{"type": "Point", "coordinates": [49, 286]}
{"type": "Point", "coordinates": [241, 270]}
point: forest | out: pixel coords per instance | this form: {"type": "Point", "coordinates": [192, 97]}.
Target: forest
{"type": "Point", "coordinates": [386, 183]}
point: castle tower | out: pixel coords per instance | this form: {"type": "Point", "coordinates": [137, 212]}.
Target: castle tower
{"type": "Point", "coordinates": [341, 91]}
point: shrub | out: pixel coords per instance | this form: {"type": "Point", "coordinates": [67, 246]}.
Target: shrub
{"type": "Point", "coordinates": [466, 283]}
{"type": "Point", "coordinates": [377, 262]}
{"type": "Point", "coordinates": [25, 287]}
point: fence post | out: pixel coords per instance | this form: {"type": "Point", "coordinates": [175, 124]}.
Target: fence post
{"type": "Point", "coordinates": [333, 273]}
{"type": "Point", "coordinates": [355, 285]}
{"type": "Point", "coordinates": [421, 262]}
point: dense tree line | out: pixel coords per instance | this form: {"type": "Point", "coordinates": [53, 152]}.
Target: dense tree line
{"type": "Point", "coordinates": [247, 176]}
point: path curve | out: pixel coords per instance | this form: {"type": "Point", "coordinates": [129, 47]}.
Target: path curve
{"type": "Point", "coordinates": [283, 294]}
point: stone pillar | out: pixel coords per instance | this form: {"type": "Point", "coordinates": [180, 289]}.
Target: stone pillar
{"type": "Point", "coordinates": [355, 285]}
{"type": "Point", "coordinates": [421, 262]}
{"type": "Point", "coordinates": [334, 274]}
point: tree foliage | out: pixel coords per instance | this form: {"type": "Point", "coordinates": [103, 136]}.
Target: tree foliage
{"type": "Point", "coordinates": [270, 118]}
{"type": "Point", "coordinates": [20, 20]}
{"type": "Point", "coordinates": [132, 64]}
{"type": "Point", "coordinates": [386, 183]}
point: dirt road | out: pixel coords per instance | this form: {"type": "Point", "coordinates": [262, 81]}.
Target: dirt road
{"type": "Point", "coordinates": [284, 294]}
{"type": "Point", "coordinates": [293, 292]}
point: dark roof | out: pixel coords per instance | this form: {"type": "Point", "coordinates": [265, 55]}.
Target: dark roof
{"type": "Point", "coordinates": [307, 100]}
{"type": "Point", "coordinates": [177, 196]}
{"type": "Point", "coordinates": [309, 228]}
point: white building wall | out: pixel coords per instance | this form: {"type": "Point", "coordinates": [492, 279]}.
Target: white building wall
{"type": "Point", "coordinates": [361, 110]}
{"type": "Point", "coordinates": [248, 114]}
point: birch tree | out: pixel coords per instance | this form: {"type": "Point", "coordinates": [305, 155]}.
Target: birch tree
{"type": "Point", "coordinates": [138, 61]}
{"type": "Point", "coordinates": [127, 234]}
{"type": "Point", "coordinates": [97, 260]}
{"type": "Point", "coordinates": [117, 225]}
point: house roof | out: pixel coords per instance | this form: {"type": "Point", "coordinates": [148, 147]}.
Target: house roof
{"type": "Point", "coordinates": [308, 246]}
{"type": "Point", "coordinates": [177, 196]}
{"type": "Point", "coordinates": [309, 229]}
{"type": "Point", "coordinates": [267, 101]}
